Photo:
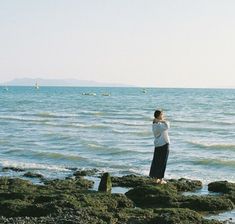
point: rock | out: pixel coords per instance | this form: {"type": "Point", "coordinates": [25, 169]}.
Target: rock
{"type": "Point", "coordinates": [186, 184]}
{"type": "Point", "coordinates": [159, 196]}
{"type": "Point", "coordinates": [69, 184]}
{"type": "Point", "coordinates": [81, 172]}
{"type": "Point", "coordinates": [222, 187]}
{"type": "Point", "coordinates": [7, 168]}
{"type": "Point", "coordinates": [105, 183]}
{"type": "Point", "coordinates": [166, 196]}
{"type": "Point", "coordinates": [225, 187]}
{"type": "Point", "coordinates": [206, 203]}
{"type": "Point", "coordinates": [33, 175]}
{"type": "Point", "coordinates": [180, 216]}
{"type": "Point", "coordinates": [71, 202]}
{"type": "Point", "coordinates": [133, 181]}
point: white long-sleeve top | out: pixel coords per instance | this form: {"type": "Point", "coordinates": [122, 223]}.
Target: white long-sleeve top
{"type": "Point", "coordinates": [160, 132]}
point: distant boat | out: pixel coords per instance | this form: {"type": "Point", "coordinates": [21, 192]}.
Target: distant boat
{"type": "Point", "coordinates": [6, 88]}
{"type": "Point", "coordinates": [105, 94]}
{"type": "Point", "coordinates": [36, 85]}
{"type": "Point", "coordinates": [89, 94]}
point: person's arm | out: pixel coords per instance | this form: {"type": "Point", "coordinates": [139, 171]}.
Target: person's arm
{"type": "Point", "coordinates": [164, 124]}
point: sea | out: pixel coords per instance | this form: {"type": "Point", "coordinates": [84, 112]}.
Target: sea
{"type": "Point", "coordinates": [55, 130]}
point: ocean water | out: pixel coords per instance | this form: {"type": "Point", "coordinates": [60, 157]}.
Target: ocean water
{"type": "Point", "coordinates": [54, 129]}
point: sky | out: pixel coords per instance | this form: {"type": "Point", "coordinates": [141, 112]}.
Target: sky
{"type": "Point", "coordinates": [149, 43]}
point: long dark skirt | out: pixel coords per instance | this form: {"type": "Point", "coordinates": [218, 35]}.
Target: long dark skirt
{"type": "Point", "coordinates": [159, 161]}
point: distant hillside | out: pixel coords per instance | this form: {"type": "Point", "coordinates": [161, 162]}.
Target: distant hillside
{"type": "Point", "coordinates": [59, 82]}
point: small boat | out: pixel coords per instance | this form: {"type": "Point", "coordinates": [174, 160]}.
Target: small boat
{"type": "Point", "coordinates": [144, 90]}
{"type": "Point", "coordinates": [6, 88]}
{"type": "Point", "coordinates": [89, 94]}
{"type": "Point", "coordinates": [36, 85]}
{"type": "Point", "coordinates": [106, 94]}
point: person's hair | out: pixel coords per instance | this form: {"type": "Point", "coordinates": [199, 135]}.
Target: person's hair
{"type": "Point", "coordinates": [157, 113]}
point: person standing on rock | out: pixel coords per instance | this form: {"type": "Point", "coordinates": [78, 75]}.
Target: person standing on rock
{"type": "Point", "coordinates": [161, 142]}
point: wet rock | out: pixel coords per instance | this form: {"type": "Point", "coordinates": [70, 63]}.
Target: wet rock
{"type": "Point", "coordinates": [222, 187]}
{"type": "Point", "coordinates": [131, 181]}
{"type": "Point", "coordinates": [105, 183]}
{"type": "Point", "coordinates": [134, 180]}
{"type": "Point", "coordinates": [179, 215]}
{"type": "Point", "coordinates": [81, 172]}
{"type": "Point", "coordinates": [71, 202]}
{"type": "Point", "coordinates": [166, 196]}
{"type": "Point", "coordinates": [33, 175]}
{"type": "Point", "coordinates": [206, 203]}
{"type": "Point", "coordinates": [159, 196]}
{"type": "Point", "coordinates": [225, 187]}
{"type": "Point", "coordinates": [7, 168]}
{"type": "Point", "coordinates": [186, 184]}
{"type": "Point", "coordinates": [136, 216]}
{"type": "Point", "coordinates": [70, 184]}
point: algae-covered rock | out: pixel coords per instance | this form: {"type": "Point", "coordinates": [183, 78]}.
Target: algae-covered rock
{"type": "Point", "coordinates": [186, 184]}
{"type": "Point", "coordinates": [71, 202]}
{"type": "Point", "coordinates": [15, 169]}
{"type": "Point", "coordinates": [33, 175]}
{"type": "Point", "coordinates": [206, 203]}
{"type": "Point", "coordinates": [70, 184]}
{"type": "Point", "coordinates": [225, 187]}
{"type": "Point", "coordinates": [10, 185]}
{"type": "Point", "coordinates": [159, 196]}
{"type": "Point", "coordinates": [105, 202]}
{"type": "Point", "coordinates": [89, 172]}
{"type": "Point", "coordinates": [135, 216]}
{"type": "Point", "coordinates": [222, 186]}
{"type": "Point", "coordinates": [133, 181]}
{"type": "Point", "coordinates": [179, 216]}
{"type": "Point", "coordinates": [105, 183]}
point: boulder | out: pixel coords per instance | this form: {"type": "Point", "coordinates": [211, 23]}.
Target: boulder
{"type": "Point", "coordinates": [16, 169]}
{"type": "Point", "coordinates": [206, 203]}
{"type": "Point", "coordinates": [33, 175]}
{"type": "Point", "coordinates": [159, 196]}
{"type": "Point", "coordinates": [184, 185]}
{"type": "Point", "coordinates": [105, 183]}
{"type": "Point", "coordinates": [222, 187]}
{"type": "Point", "coordinates": [81, 172]}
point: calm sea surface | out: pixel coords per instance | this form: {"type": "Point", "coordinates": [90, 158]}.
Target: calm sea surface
{"type": "Point", "coordinates": [53, 129]}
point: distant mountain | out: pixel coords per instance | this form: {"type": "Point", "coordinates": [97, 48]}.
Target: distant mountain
{"type": "Point", "coordinates": [60, 82]}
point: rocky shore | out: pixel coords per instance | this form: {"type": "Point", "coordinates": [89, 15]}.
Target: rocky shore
{"type": "Point", "coordinates": [72, 200]}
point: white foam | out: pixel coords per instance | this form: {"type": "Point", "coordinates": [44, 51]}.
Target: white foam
{"type": "Point", "coordinates": [35, 166]}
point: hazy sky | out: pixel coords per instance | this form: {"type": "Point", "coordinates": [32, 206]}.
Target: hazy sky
{"type": "Point", "coordinates": [166, 43]}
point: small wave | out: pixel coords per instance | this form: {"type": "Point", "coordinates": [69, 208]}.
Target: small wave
{"type": "Point", "coordinates": [187, 121]}
{"type": "Point", "coordinates": [136, 124]}
{"type": "Point", "coordinates": [230, 146]}
{"type": "Point", "coordinates": [45, 155]}
{"type": "Point", "coordinates": [53, 115]}
{"type": "Point", "coordinates": [45, 114]}
{"type": "Point", "coordinates": [142, 133]}
{"type": "Point", "coordinates": [32, 166]}
{"type": "Point", "coordinates": [88, 126]}
{"type": "Point", "coordinates": [106, 150]}
{"type": "Point", "coordinates": [21, 119]}
{"type": "Point", "coordinates": [215, 162]}
{"type": "Point", "coordinates": [96, 113]}
{"type": "Point", "coordinates": [55, 155]}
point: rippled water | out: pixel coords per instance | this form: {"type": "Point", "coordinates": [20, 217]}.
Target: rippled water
{"type": "Point", "coordinates": [56, 128]}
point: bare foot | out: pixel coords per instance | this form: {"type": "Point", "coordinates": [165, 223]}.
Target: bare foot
{"type": "Point", "coordinates": [158, 181]}
{"type": "Point", "coordinates": [163, 182]}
